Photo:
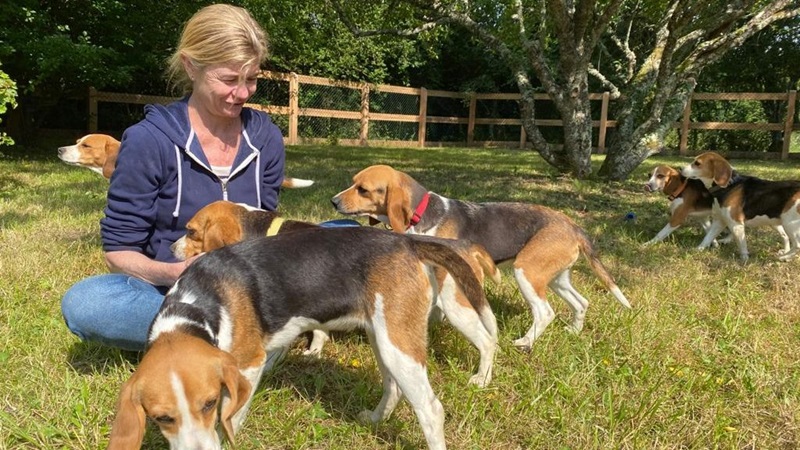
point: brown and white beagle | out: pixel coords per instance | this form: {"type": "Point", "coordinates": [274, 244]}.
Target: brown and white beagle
{"type": "Point", "coordinates": [542, 243]}
{"type": "Point", "coordinates": [688, 199]}
{"type": "Point", "coordinates": [741, 200]}
{"type": "Point", "coordinates": [98, 152]}
{"type": "Point", "coordinates": [236, 307]}
{"type": "Point", "coordinates": [223, 223]}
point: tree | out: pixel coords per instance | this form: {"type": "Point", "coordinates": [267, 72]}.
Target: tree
{"type": "Point", "coordinates": [8, 97]}
{"type": "Point", "coordinates": [652, 54]}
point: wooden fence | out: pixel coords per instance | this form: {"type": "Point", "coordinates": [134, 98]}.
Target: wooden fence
{"type": "Point", "coordinates": [422, 119]}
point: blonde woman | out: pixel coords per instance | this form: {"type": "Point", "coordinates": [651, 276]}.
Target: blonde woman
{"type": "Point", "coordinates": [205, 147]}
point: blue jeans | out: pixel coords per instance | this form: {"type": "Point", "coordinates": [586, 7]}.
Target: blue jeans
{"type": "Point", "coordinates": [113, 309]}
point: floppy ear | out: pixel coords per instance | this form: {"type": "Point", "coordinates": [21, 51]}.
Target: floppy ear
{"type": "Point", "coordinates": [112, 148]}
{"type": "Point", "coordinates": [127, 430]}
{"type": "Point", "coordinates": [722, 172]}
{"type": "Point", "coordinates": [398, 206]}
{"type": "Point", "coordinates": [223, 231]}
{"type": "Point", "coordinates": [239, 391]}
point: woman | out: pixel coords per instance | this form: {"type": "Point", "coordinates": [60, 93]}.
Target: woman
{"type": "Point", "coordinates": [181, 157]}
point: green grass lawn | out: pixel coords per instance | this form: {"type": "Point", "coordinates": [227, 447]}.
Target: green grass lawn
{"type": "Point", "coordinates": [707, 358]}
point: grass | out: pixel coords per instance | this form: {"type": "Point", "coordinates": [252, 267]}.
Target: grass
{"type": "Point", "coordinates": [707, 358]}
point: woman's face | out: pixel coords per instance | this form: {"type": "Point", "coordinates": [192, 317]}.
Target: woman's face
{"type": "Point", "coordinates": [223, 89]}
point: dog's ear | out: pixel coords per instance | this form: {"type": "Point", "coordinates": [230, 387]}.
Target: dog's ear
{"type": "Point", "coordinates": [238, 391]}
{"type": "Point", "coordinates": [398, 205]}
{"type": "Point", "coordinates": [127, 431]}
{"type": "Point", "coordinates": [222, 231]}
{"type": "Point", "coordinates": [722, 172]}
{"type": "Point", "coordinates": [111, 159]}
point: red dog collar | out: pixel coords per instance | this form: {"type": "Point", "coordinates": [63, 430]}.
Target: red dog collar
{"type": "Point", "coordinates": [423, 205]}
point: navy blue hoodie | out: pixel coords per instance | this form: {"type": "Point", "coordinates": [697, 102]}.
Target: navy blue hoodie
{"type": "Point", "coordinates": [163, 178]}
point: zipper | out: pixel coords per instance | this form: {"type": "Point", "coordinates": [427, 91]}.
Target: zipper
{"type": "Point", "coordinates": [224, 188]}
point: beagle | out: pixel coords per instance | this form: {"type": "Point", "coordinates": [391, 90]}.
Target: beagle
{"type": "Point", "coordinates": [236, 307]}
{"type": "Point", "coordinates": [223, 223]}
{"type": "Point", "coordinates": [542, 243]}
{"type": "Point", "coordinates": [98, 152]}
{"type": "Point", "coordinates": [688, 199]}
{"type": "Point", "coordinates": [740, 200]}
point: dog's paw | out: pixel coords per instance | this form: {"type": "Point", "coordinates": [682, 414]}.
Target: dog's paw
{"type": "Point", "coordinates": [523, 344]}
{"type": "Point", "coordinates": [366, 417]}
{"type": "Point", "coordinates": [787, 256]}
{"type": "Point", "coordinates": [480, 380]}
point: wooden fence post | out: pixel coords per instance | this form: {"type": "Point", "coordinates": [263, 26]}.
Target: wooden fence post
{"type": "Point", "coordinates": [523, 137]}
{"type": "Point", "coordinates": [92, 110]}
{"type": "Point", "coordinates": [473, 103]}
{"type": "Point", "coordinates": [364, 133]}
{"type": "Point", "coordinates": [791, 98]}
{"type": "Point", "coordinates": [601, 135]}
{"type": "Point", "coordinates": [423, 116]}
{"type": "Point", "coordinates": [294, 107]}
{"type": "Point", "coordinates": [687, 113]}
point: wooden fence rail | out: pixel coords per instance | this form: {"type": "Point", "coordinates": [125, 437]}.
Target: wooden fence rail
{"type": "Point", "coordinates": [364, 115]}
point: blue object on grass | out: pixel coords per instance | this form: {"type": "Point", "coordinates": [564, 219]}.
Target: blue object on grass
{"type": "Point", "coordinates": [340, 223]}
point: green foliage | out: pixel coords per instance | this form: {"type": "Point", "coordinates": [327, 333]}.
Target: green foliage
{"type": "Point", "coordinates": [8, 98]}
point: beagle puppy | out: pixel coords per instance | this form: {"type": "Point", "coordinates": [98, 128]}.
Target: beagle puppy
{"type": "Point", "coordinates": [236, 307]}
{"type": "Point", "coordinates": [98, 152]}
{"type": "Point", "coordinates": [688, 199]}
{"type": "Point", "coordinates": [223, 223]}
{"type": "Point", "coordinates": [542, 243]}
{"type": "Point", "coordinates": [741, 200]}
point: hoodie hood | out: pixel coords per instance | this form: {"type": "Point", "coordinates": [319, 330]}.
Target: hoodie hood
{"type": "Point", "coordinates": [172, 120]}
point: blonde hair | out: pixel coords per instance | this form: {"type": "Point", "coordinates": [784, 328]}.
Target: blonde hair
{"type": "Point", "coordinates": [217, 34]}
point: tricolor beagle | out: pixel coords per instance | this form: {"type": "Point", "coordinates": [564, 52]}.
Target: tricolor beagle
{"type": "Point", "coordinates": [98, 152]}
{"type": "Point", "coordinates": [688, 199]}
{"type": "Point", "coordinates": [741, 200]}
{"type": "Point", "coordinates": [542, 243]}
{"type": "Point", "coordinates": [223, 223]}
{"type": "Point", "coordinates": [235, 306]}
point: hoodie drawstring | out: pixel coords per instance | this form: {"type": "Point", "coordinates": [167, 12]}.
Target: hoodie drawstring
{"type": "Point", "coordinates": [180, 182]}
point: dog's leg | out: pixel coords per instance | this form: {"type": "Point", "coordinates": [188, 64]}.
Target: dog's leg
{"type": "Point", "coordinates": [562, 286]}
{"type": "Point", "coordinates": [666, 231]}
{"type": "Point", "coordinates": [713, 231]}
{"type": "Point", "coordinates": [391, 391]}
{"type": "Point", "coordinates": [542, 311]}
{"type": "Point", "coordinates": [412, 379]}
{"type": "Point", "coordinates": [787, 243]}
{"type": "Point", "coordinates": [472, 324]}
{"type": "Point", "coordinates": [737, 230]}
{"type": "Point", "coordinates": [253, 375]}
{"type": "Point", "coordinates": [317, 342]}
{"type": "Point", "coordinates": [791, 226]}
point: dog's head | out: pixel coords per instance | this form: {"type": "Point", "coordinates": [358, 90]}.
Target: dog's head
{"type": "Point", "coordinates": [97, 152]}
{"type": "Point", "coordinates": [216, 225]}
{"type": "Point", "coordinates": [710, 168]}
{"type": "Point", "coordinates": [185, 386]}
{"type": "Point", "coordinates": [380, 192]}
{"type": "Point", "coordinates": [661, 177]}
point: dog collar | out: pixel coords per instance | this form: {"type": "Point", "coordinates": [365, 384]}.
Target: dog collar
{"type": "Point", "coordinates": [735, 179]}
{"type": "Point", "coordinates": [678, 193]}
{"type": "Point", "coordinates": [275, 226]}
{"type": "Point", "coordinates": [423, 205]}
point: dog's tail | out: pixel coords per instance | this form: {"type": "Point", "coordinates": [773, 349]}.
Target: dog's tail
{"type": "Point", "coordinates": [441, 254]}
{"type": "Point", "coordinates": [486, 262]}
{"type": "Point", "coordinates": [289, 182]}
{"type": "Point", "coordinates": [598, 268]}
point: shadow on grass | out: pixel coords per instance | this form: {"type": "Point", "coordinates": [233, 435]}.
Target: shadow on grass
{"type": "Point", "coordinates": [92, 358]}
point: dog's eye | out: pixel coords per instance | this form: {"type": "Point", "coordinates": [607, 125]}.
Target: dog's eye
{"type": "Point", "coordinates": [209, 405]}
{"type": "Point", "coordinates": [659, 176]}
{"type": "Point", "coordinates": [190, 232]}
{"type": "Point", "coordinates": [361, 191]}
{"type": "Point", "coordinates": [166, 420]}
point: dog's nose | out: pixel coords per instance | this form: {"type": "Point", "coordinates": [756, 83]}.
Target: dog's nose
{"type": "Point", "coordinates": [335, 202]}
